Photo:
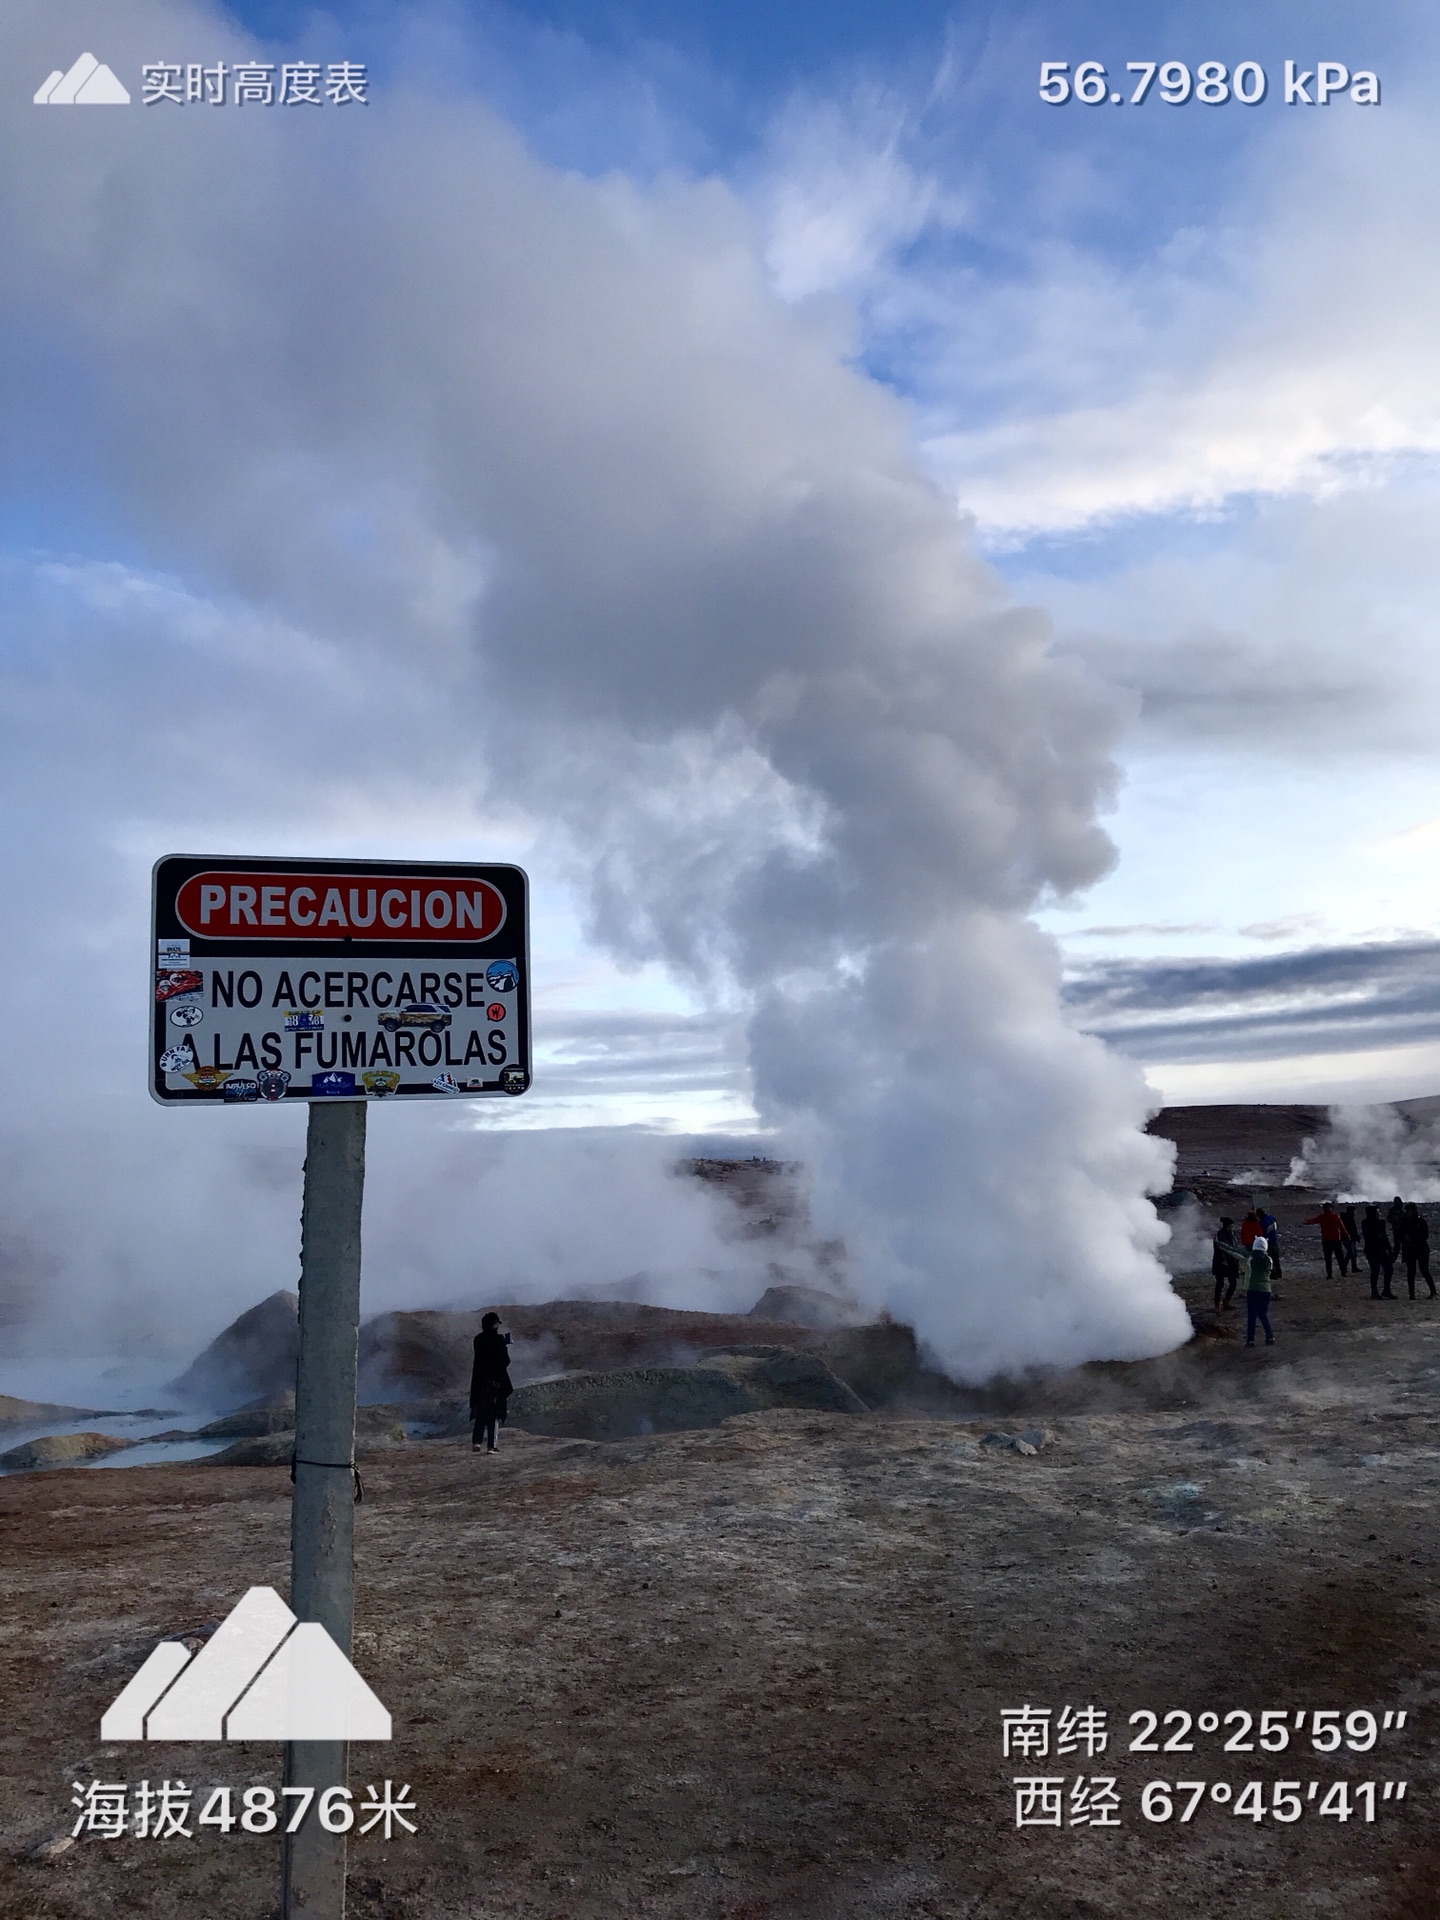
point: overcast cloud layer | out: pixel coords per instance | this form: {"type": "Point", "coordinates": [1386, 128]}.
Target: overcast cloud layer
{"type": "Point", "coordinates": [411, 480]}
{"type": "Point", "coordinates": [1323, 1000]}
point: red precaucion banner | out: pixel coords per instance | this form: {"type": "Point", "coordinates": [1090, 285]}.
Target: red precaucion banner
{"type": "Point", "coordinates": [329, 906]}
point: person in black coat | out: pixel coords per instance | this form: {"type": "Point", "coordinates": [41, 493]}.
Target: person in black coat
{"type": "Point", "coordinates": [1379, 1253]}
{"type": "Point", "coordinates": [490, 1387]}
{"type": "Point", "coordinates": [1352, 1233]}
{"type": "Point", "coordinates": [1395, 1214]}
{"type": "Point", "coordinates": [1225, 1262]}
{"type": "Point", "coordinates": [1415, 1248]}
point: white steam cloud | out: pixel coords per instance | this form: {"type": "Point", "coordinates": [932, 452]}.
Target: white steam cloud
{"type": "Point", "coordinates": [1373, 1153]}
{"type": "Point", "coordinates": [432, 484]}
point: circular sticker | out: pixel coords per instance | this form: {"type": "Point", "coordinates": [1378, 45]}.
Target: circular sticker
{"type": "Point", "coordinates": [501, 976]}
{"type": "Point", "coordinates": [186, 1015]}
{"type": "Point", "coordinates": [495, 1011]}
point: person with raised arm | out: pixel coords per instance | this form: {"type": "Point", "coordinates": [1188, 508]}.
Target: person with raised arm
{"type": "Point", "coordinates": [1332, 1237]}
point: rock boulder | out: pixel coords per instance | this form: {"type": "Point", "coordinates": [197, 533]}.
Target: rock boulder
{"type": "Point", "coordinates": [37, 1413]}
{"type": "Point", "coordinates": [780, 1377]}
{"type": "Point", "coordinates": [63, 1450]}
{"type": "Point", "coordinates": [372, 1437]}
{"type": "Point", "coordinates": [248, 1423]}
{"type": "Point", "coordinates": [630, 1401]}
{"type": "Point", "coordinates": [804, 1307]}
{"type": "Point", "coordinates": [637, 1400]}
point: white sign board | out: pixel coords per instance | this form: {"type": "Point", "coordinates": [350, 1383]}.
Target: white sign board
{"type": "Point", "coordinates": [329, 979]}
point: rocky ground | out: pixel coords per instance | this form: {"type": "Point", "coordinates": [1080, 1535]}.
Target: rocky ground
{"type": "Point", "coordinates": [756, 1672]}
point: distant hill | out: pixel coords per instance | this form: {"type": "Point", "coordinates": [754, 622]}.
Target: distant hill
{"type": "Point", "coordinates": [1222, 1142]}
{"type": "Point", "coordinates": [36, 1413]}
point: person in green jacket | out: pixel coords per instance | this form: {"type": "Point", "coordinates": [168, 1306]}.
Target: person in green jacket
{"type": "Point", "coordinates": [1257, 1293]}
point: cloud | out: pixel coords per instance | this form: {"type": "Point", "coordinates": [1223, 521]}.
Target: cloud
{"type": "Point", "coordinates": [1309, 620]}
{"type": "Point", "coordinates": [453, 482]}
{"type": "Point", "coordinates": [1323, 1000]}
{"type": "Point", "coordinates": [610, 1051]}
{"type": "Point", "coordinates": [1256, 367]}
{"type": "Point", "coordinates": [1167, 927]}
{"type": "Point", "coordinates": [840, 199]}
{"type": "Point", "coordinates": [1286, 929]}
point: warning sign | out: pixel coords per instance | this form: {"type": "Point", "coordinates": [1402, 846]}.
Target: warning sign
{"type": "Point", "coordinates": [316, 979]}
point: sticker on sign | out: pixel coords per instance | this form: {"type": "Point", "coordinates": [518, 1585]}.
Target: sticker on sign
{"type": "Point", "coordinates": [338, 980]}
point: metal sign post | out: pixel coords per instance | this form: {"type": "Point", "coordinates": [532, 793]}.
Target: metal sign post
{"type": "Point", "coordinates": [322, 1520]}
{"type": "Point", "coordinates": [336, 983]}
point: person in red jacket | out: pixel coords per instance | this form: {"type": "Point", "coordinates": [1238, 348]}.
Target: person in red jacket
{"type": "Point", "coordinates": [1249, 1228]}
{"type": "Point", "coordinates": [1333, 1242]}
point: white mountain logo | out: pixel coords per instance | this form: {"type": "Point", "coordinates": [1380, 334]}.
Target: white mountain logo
{"type": "Point", "coordinates": [262, 1675]}
{"type": "Point", "coordinates": [89, 83]}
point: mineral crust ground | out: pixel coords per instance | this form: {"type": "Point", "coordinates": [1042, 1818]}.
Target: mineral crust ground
{"type": "Point", "coordinates": [756, 1672]}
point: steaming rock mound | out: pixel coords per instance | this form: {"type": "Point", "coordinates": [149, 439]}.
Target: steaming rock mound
{"type": "Point", "coordinates": [804, 1307]}
{"type": "Point", "coordinates": [253, 1358]}
{"type": "Point", "coordinates": [427, 1355]}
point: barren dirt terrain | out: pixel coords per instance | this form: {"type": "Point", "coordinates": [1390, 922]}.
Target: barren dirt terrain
{"type": "Point", "coordinates": [756, 1672]}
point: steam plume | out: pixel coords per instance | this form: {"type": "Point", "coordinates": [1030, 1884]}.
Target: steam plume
{"type": "Point", "coordinates": [477, 486]}
{"type": "Point", "coordinates": [1372, 1153]}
